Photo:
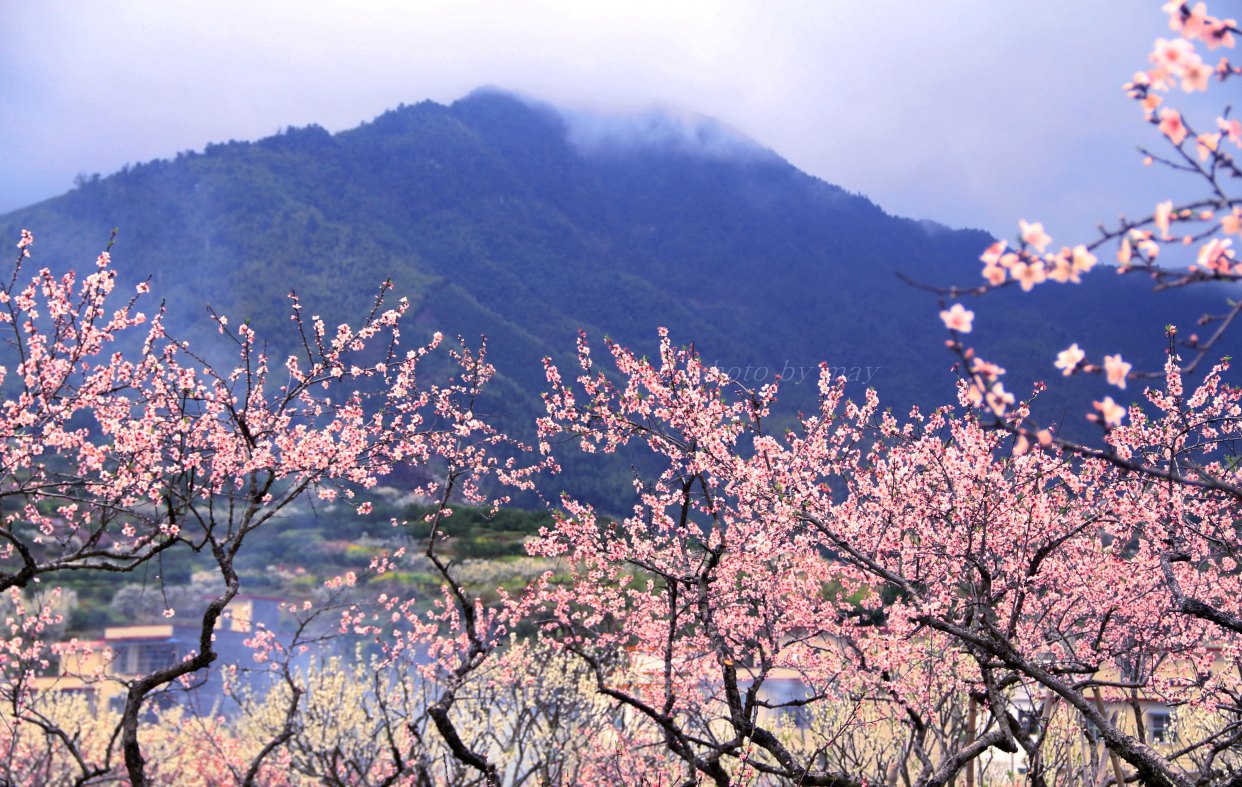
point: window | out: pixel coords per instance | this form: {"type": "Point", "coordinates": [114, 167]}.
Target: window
{"type": "Point", "coordinates": [143, 658]}
{"type": "Point", "coordinates": [153, 657]}
{"type": "Point", "coordinates": [1160, 727]}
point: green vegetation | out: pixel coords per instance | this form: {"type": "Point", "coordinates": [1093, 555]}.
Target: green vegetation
{"type": "Point", "coordinates": [492, 223]}
{"type": "Point", "coordinates": [312, 546]}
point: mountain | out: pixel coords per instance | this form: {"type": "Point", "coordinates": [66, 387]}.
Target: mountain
{"type": "Point", "coordinates": [501, 217]}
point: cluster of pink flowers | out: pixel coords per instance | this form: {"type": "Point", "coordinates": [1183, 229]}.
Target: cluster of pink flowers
{"type": "Point", "coordinates": [895, 571]}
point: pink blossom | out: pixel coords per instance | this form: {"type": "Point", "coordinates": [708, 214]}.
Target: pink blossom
{"type": "Point", "coordinates": [1174, 55]}
{"type": "Point", "coordinates": [1116, 370]}
{"type": "Point", "coordinates": [993, 253]}
{"type": "Point", "coordinates": [1084, 260]}
{"type": "Point", "coordinates": [957, 318]}
{"type": "Point", "coordinates": [1062, 268]}
{"type": "Point", "coordinates": [1206, 145]}
{"type": "Point", "coordinates": [1219, 33]}
{"type": "Point", "coordinates": [998, 399]}
{"type": "Point", "coordinates": [1231, 128]}
{"type": "Point", "coordinates": [1112, 412]}
{"type": "Point", "coordinates": [1215, 255]}
{"type": "Point", "coordinates": [1231, 223]}
{"type": "Point", "coordinates": [1171, 125]}
{"type": "Point", "coordinates": [1029, 274]}
{"type": "Point", "coordinates": [986, 369]}
{"type": "Point", "coordinates": [1068, 359]}
{"type": "Point", "coordinates": [1034, 235]}
{"type": "Point", "coordinates": [1196, 77]}
{"type": "Point", "coordinates": [1186, 18]}
{"type": "Point", "coordinates": [1161, 219]}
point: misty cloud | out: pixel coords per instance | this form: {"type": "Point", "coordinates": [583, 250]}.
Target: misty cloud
{"type": "Point", "coordinates": [663, 128]}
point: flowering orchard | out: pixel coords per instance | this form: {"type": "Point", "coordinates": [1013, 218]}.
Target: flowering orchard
{"type": "Point", "coordinates": [962, 595]}
{"type": "Point", "coordinates": [904, 571]}
{"type": "Point", "coordinates": [112, 459]}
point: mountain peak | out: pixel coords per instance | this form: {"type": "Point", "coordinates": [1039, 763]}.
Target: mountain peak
{"type": "Point", "coordinates": [594, 132]}
{"type": "Point", "coordinates": [504, 216]}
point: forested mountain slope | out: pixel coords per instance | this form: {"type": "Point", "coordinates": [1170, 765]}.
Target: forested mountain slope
{"type": "Point", "coordinates": [498, 217]}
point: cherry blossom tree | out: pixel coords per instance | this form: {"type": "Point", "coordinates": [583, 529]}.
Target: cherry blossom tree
{"type": "Point", "coordinates": [1171, 480]}
{"type": "Point", "coordinates": [121, 444]}
{"type": "Point", "coordinates": [1177, 245]}
{"type": "Point", "coordinates": [919, 573]}
{"type": "Point", "coordinates": [728, 580]}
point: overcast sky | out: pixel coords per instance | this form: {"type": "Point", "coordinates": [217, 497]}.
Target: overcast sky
{"type": "Point", "coordinates": [968, 112]}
